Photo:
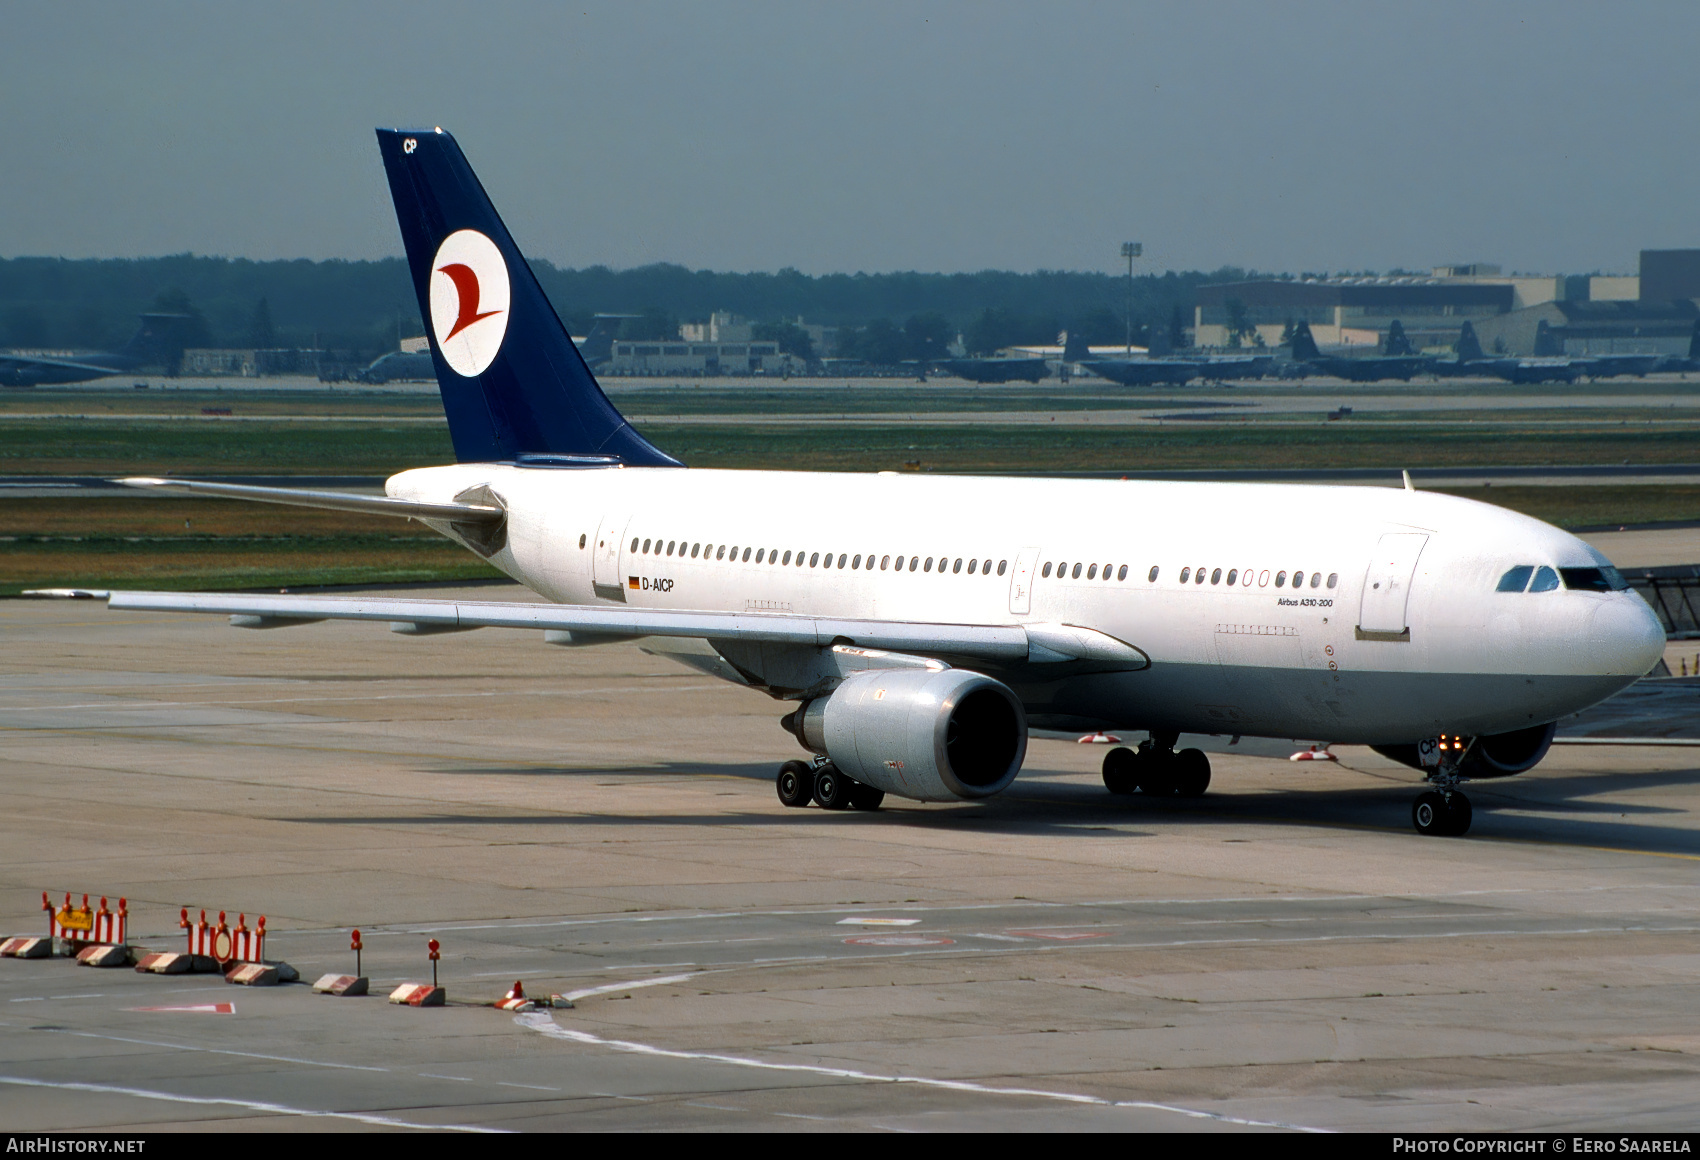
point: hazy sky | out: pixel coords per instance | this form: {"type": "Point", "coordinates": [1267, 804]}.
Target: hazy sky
{"type": "Point", "coordinates": [1553, 136]}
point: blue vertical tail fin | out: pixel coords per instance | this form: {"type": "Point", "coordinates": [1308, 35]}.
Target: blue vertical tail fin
{"type": "Point", "coordinates": [514, 386]}
{"type": "Point", "coordinates": [1304, 343]}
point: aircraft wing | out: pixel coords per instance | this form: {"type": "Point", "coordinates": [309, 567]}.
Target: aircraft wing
{"type": "Point", "coordinates": [460, 513]}
{"type": "Point", "coordinates": [1005, 643]}
{"type": "Point", "coordinates": [69, 364]}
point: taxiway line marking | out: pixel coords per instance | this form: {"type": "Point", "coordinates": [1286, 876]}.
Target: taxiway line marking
{"type": "Point", "coordinates": [118, 705]}
{"type": "Point", "coordinates": [609, 988]}
{"type": "Point", "coordinates": [547, 1026]}
{"type": "Point", "coordinates": [250, 1105]}
{"type": "Point", "coordinates": [221, 1051]}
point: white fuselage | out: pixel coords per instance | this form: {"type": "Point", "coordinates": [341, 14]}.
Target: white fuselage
{"type": "Point", "coordinates": [1398, 632]}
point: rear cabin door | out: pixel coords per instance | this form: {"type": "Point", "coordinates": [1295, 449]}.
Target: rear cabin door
{"type": "Point", "coordinates": [1021, 582]}
{"type": "Point", "coordinates": [1387, 584]}
{"type": "Point", "coordinates": [606, 580]}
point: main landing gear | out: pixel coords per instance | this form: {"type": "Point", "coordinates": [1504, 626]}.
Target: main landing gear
{"type": "Point", "coordinates": [799, 783]}
{"type": "Point", "coordinates": [1155, 769]}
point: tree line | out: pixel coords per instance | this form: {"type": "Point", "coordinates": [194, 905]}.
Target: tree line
{"type": "Point", "coordinates": [364, 307]}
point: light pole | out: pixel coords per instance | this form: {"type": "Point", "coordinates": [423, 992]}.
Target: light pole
{"type": "Point", "coordinates": [1130, 251]}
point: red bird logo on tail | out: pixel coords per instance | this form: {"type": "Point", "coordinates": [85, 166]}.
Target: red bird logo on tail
{"type": "Point", "coordinates": [466, 286]}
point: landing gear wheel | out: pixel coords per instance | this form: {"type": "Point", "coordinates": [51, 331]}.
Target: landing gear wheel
{"type": "Point", "coordinates": [1191, 773]}
{"type": "Point", "coordinates": [1430, 816]}
{"type": "Point", "coordinates": [1120, 767]}
{"type": "Point", "coordinates": [796, 784]}
{"type": "Point", "coordinates": [1156, 772]}
{"type": "Point", "coordinates": [832, 789]}
{"type": "Point", "coordinates": [1459, 815]}
{"type": "Point", "coordinates": [865, 797]}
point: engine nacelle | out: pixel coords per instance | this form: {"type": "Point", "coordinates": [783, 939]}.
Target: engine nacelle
{"type": "Point", "coordinates": [931, 736]}
{"type": "Point", "coordinates": [1491, 755]}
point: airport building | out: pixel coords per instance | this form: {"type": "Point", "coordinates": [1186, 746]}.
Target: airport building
{"type": "Point", "coordinates": [1584, 328]}
{"type": "Point", "coordinates": [210, 362]}
{"type": "Point", "coordinates": [1357, 311]}
{"type": "Point", "coordinates": [678, 357]}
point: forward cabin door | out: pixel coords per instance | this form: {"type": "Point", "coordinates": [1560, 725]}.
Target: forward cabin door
{"type": "Point", "coordinates": [606, 579]}
{"type": "Point", "coordinates": [1021, 582]}
{"type": "Point", "coordinates": [1387, 586]}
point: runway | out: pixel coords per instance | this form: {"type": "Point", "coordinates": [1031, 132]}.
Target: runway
{"type": "Point", "coordinates": [1284, 954]}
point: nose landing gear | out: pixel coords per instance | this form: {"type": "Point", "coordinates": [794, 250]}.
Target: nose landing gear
{"type": "Point", "coordinates": [1443, 811]}
{"type": "Point", "coordinates": [1156, 770]}
{"type": "Point", "coordinates": [1445, 815]}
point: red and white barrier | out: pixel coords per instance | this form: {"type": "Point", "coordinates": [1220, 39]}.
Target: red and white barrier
{"type": "Point", "coordinates": [418, 995]}
{"type": "Point", "coordinates": [83, 925]}
{"type": "Point", "coordinates": [248, 946]}
{"type": "Point", "coordinates": [222, 944]}
{"type": "Point", "coordinates": [1314, 753]}
{"type": "Point", "coordinates": [200, 933]}
{"type": "Point", "coordinates": [26, 948]}
{"type": "Point", "coordinates": [111, 928]}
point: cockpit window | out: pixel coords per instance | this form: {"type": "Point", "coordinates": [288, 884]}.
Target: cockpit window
{"type": "Point", "coordinates": [1545, 579]}
{"type": "Point", "coordinates": [1593, 579]}
{"type": "Point", "coordinates": [1516, 580]}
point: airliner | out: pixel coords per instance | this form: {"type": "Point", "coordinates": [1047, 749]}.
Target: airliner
{"type": "Point", "coordinates": [913, 628]}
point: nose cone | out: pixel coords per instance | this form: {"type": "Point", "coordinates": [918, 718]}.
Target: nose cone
{"type": "Point", "coordinates": [1625, 638]}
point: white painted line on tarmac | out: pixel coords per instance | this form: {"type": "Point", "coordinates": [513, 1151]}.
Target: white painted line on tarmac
{"type": "Point", "coordinates": [609, 988]}
{"type": "Point", "coordinates": [250, 1105]}
{"type": "Point", "coordinates": [546, 1025]}
{"type": "Point", "coordinates": [120, 704]}
{"type": "Point", "coordinates": [870, 921]}
{"type": "Point", "coordinates": [220, 1051]}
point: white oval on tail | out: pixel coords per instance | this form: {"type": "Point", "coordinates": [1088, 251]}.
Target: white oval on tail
{"type": "Point", "coordinates": [469, 301]}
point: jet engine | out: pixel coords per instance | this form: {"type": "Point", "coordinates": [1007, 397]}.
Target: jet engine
{"type": "Point", "coordinates": [1491, 755]}
{"type": "Point", "coordinates": [927, 735]}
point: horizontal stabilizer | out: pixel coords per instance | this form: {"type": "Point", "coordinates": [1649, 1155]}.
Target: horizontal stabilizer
{"type": "Point", "coordinates": [1006, 643]}
{"type": "Point", "coordinates": [460, 513]}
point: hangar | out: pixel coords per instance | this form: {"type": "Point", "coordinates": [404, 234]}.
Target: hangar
{"type": "Point", "coordinates": [1348, 311]}
{"type": "Point", "coordinates": [1636, 326]}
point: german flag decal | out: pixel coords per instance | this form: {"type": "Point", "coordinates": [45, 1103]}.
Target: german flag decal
{"type": "Point", "coordinates": [632, 583]}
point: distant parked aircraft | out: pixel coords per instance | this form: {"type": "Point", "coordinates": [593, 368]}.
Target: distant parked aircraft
{"type": "Point", "coordinates": [1160, 366]}
{"type": "Point", "coordinates": [1400, 361]}
{"type": "Point", "coordinates": [145, 347]}
{"type": "Point", "coordinates": [1473, 361]}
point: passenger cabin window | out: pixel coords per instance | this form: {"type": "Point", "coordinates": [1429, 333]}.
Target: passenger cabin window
{"type": "Point", "coordinates": [1546, 580]}
{"type": "Point", "coordinates": [1001, 564]}
{"type": "Point", "coordinates": [1316, 579]}
{"type": "Point", "coordinates": [1233, 575]}
{"type": "Point", "coordinates": [1280, 579]}
{"type": "Point", "coordinates": [1186, 574]}
{"type": "Point", "coordinates": [1152, 578]}
{"type": "Point", "coordinates": [1047, 572]}
{"type": "Point", "coordinates": [1216, 576]}
{"type": "Point", "coordinates": [1333, 579]}
{"type": "Point", "coordinates": [1076, 573]}
{"type": "Point", "coordinates": [1198, 576]}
